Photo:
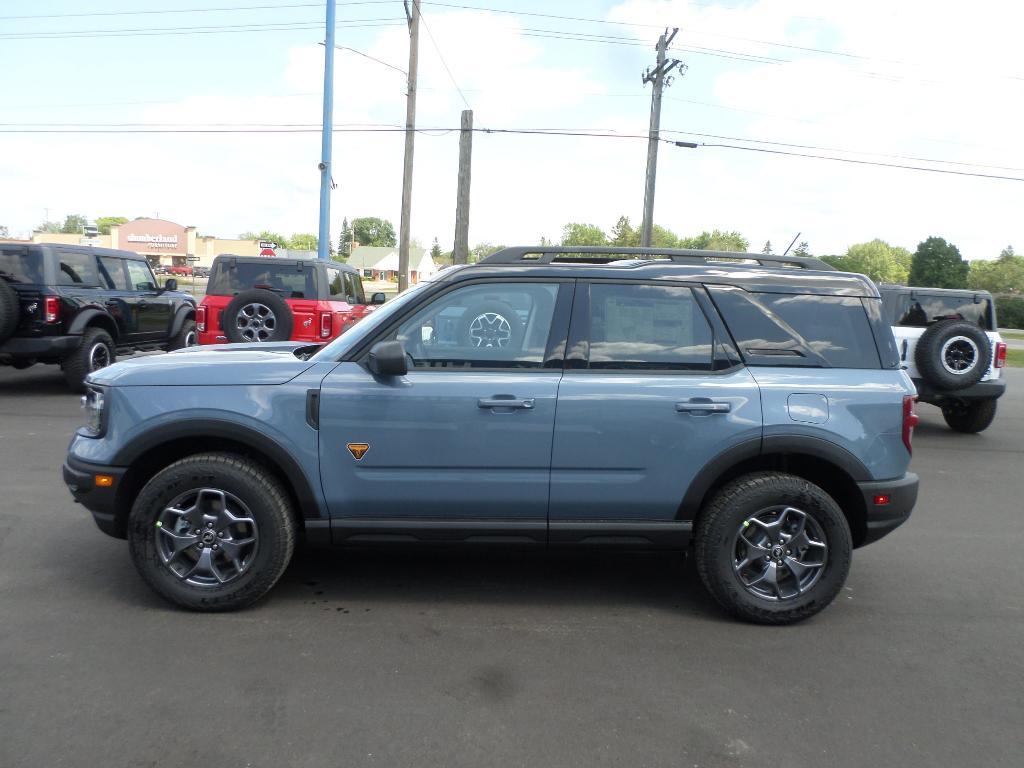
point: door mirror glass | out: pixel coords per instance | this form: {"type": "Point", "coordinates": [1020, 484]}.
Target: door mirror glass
{"type": "Point", "coordinates": [387, 358]}
{"type": "Point", "coordinates": [378, 298]}
{"type": "Point", "coordinates": [171, 285]}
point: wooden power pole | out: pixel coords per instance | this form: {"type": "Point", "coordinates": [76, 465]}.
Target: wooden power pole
{"type": "Point", "coordinates": [461, 253]}
{"type": "Point", "coordinates": [410, 135]}
{"type": "Point", "coordinates": [657, 76]}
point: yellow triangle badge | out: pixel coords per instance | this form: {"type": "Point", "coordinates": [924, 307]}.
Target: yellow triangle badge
{"type": "Point", "coordinates": [358, 450]}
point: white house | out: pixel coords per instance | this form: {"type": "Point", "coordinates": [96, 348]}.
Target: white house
{"type": "Point", "coordinates": [382, 263]}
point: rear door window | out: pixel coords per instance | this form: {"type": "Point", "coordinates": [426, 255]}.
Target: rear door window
{"type": "Point", "coordinates": [77, 268]}
{"type": "Point", "coordinates": [287, 279]}
{"type": "Point", "coordinates": [20, 264]}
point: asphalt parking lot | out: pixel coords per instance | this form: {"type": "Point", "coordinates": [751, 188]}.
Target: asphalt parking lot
{"type": "Point", "coordinates": [510, 659]}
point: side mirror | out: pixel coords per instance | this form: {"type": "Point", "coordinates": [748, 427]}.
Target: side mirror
{"type": "Point", "coordinates": [171, 285]}
{"type": "Point", "coordinates": [387, 358]}
{"type": "Point", "coordinates": [378, 298]}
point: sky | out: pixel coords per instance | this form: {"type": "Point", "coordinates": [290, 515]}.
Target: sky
{"type": "Point", "coordinates": [924, 83]}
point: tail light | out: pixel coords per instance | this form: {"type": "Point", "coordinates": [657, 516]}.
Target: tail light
{"type": "Point", "coordinates": [51, 309]}
{"type": "Point", "coordinates": [200, 319]}
{"type": "Point", "coordinates": [1000, 354]}
{"type": "Point", "coordinates": [326, 325]}
{"type": "Point", "coordinates": [910, 420]}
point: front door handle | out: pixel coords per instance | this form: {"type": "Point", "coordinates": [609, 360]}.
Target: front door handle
{"type": "Point", "coordinates": [505, 402]}
{"type": "Point", "coordinates": [703, 406]}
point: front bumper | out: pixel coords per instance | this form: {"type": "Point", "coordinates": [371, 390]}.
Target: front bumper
{"type": "Point", "coordinates": [882, 519]}
{"type": "Point", "coordinates": [80, 477]}
{"type": "Point", "coordinates": [983, 390]}
{"type": "Point", "coordinates": [39, 346]}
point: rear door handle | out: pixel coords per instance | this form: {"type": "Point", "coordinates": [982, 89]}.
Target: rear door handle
{"type": "Point", "coordinates": [505, 402]}
{"type": "Point", "coordinates": [703, 406]}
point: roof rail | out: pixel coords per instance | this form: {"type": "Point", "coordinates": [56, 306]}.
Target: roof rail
{"type": "Point", "coordinates": [601, 254]}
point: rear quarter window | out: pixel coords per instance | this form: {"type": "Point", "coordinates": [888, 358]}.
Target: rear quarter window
{"type": "Point", "coordinates": [20, 264]}
{"type": "Point", "coordinates": [799, 329]}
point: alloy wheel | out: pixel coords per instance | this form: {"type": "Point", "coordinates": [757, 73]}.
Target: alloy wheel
{"type": "Point", "coordinates": [779, 553]}
{"type": "Point", "coordinates": [256, 322]}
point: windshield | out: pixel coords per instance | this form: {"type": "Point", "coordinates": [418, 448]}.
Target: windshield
{"type": "Point", "coordinates": [20, 264]}
{"type": "Point", "coordinates": [369, 324]}
{"type": "Point", "coordinates": [291, 280]}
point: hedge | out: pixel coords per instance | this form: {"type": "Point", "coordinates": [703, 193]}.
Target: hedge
{"type": "Point", "coordinates": [1010, 311]}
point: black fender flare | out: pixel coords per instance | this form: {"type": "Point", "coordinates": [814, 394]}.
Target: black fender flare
{"type": "Point", "coordinates": [196, 429]}
{"type": "Point", "coordinates": [185, 311]}
{"type": "Point", "coordinates": [88, 316]}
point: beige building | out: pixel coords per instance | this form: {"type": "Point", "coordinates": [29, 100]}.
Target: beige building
{"type": "Point", "coordinates": [161, 241]}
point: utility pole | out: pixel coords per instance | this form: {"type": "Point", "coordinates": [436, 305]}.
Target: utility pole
{"type": "Point", "coordinates": [410, 135]}
{"type": "Point", "coordinates": [658, 76]}
{"type": "Point", "coordinates": [324, 243]}
{"type": "Point", "coordinates": [461, 253]}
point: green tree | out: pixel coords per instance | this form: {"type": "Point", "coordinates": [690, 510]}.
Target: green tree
{"type": "Point", "coordinates": [664, 238]}
{"type": "Point", "coordinates": [369, 230]}
{"type": "Point", "coordinates": [104, 223]}
{"type": "Point", "coordinates": [49, 227]}
{"type": "Point", "coordinates": [880, 261]}
{"type": "Point", "coordinates": [74, 224]}
{"type": "Point", "coordinates": [623, 234]}
{"type": "Point", "coordinates": [767, 250]}
{"type": "Point", "coordinates": [1004, 275]}
{"type": "Point", "coordinates": [938, 264]}
{"type": "Point", "coordinates": [583, 234]}
{"type": "Point", "coordinates": [435, 251]}
{"type": "Point", "coordinates": [303, 242]}
{"type": "Point", "coordinates": [4, 232]}
{"type": "Point", "coordinates": [482, 251]}
{"type": "Point", "coordinates": [345, 239]}
{"type": "Point", "coordinates": [716, 241]}
{"type": "Point", "coordinates": [1007, 253]}
{"type": "Point", "coordinates": [802, 250]}
{"type": "Point", "coordinates": [273, 237]}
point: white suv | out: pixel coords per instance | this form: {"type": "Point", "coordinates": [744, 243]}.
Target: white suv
{"type": "Point", "coordinates": [949, 344]}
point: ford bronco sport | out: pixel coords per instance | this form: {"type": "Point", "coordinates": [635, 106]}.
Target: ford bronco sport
{"type": "Point", "coordinates": [750, 407]}
{"type": "Point", "coordinates": [79, 307]}
{"type": "Point", "coordinates": [266, 298]}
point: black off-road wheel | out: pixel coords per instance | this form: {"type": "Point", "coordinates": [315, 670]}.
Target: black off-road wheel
{"type": "Point", "coordinates": [212, 532]}
{"type": "Point", "coordinates": [96, 351]}
{"type": "Point", "coordinates": [257, 315]}
{"type": "Point", "coordinates": [953, 354]}
{"type": "Point", "coordinates": [186, 337]}
{"type": "Point", "coordinates": [10, 309]}
{"type": "Point", "coordinates": [772, 548]}
{"type": "Point", "coordinates": [969, 416]}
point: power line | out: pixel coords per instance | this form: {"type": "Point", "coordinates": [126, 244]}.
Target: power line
{"type": "Point", "coordinates": [156, 11]}
{"type": "Point", "coordinates": [443, 62]}
{"type": "Point", "coordinates": [148, 31]}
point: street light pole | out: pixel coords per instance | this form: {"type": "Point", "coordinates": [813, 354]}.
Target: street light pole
{"type": "Point", "coordinates": [324, 242]}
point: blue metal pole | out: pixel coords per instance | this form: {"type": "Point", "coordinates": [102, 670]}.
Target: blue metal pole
{"type": "Point", "coordinates": [323, 246]}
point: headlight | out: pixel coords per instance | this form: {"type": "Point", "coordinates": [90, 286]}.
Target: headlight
{"type": "Point", "coordinates": [94, 404]}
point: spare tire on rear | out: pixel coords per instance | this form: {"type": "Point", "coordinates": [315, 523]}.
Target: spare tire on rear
{"type": "Point", "coordinates": [10, 309]}
{"type": "Point", "coordinates": [257, 315]}
{"type": "Point", "coordinates": [953, 354]}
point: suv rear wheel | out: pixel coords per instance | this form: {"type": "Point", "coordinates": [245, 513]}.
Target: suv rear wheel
{"type": "Point", "coordinates": [96, 351]}
{"type": "Point", "coordinates": [969, 416]}
{"type": "Point", "coordinates": [186, 337]}
{"type": "Point", "coordinates": [212, 532]}
{"type": "Point", "coordinates": [773, 548]}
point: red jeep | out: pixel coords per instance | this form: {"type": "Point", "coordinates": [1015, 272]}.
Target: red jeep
{"type": "Point", "coordinates": [265, 298]}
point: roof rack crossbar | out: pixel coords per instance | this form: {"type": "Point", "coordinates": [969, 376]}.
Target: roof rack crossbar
{"type": "Point", "coordinates": [597, 254]}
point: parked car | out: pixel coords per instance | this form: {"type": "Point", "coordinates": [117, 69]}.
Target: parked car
{"type": "Point", "coordinates": [262, 299]}
{"type": "Point", "coordinates": [950, 345]}
{"type": "Point", "coordinates": [632, 398]}
{"type": "Point", "coordinates": [180, 271]}
{"type": "Point", "coordinates": [79, 307]}
{"type": "Point", "coordinates": [201, 271]}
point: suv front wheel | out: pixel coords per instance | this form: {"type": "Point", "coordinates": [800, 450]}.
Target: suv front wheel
{"type": "Point", "coordinates": [212, 532]}
{"type": "Point", "coordinates": [773, 548]}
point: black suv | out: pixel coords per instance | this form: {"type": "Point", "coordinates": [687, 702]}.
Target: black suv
{"type": "Point", "coordinates": [81, 306]}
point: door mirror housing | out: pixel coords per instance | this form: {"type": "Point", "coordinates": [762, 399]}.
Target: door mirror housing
{"type": "Point", "coordinates": [378, 298]}
{"type": "Point", "coordinates": [171, 285]}
{"type": "Point", "coordinates": [387, 358]}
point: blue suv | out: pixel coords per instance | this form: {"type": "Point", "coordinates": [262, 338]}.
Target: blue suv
{"type": "Point", "coordinates": [750, 408]}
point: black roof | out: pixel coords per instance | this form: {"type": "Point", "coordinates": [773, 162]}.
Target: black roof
{"type": "Point", "coordinates": [115, 252]}
{"type": "Point", "coordinates": [753, 271]}
{"type": "Point", "coordinates": [910, 289]}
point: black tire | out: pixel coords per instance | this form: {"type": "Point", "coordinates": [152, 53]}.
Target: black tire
{"type": "Point", "coordinates": [22, 363]}
{"type": "Point", "coordinates": [248, 488]}
{"type": "Point", "coordinates": [88, 357]}
{"type": "Point", "coordinates": [969, 416]}
{"type": "Point", "coordinates": [186, 337]}
{"type": "Point", "coordinates": [953, 354]}
{"type": "Point", "coordinates": [283, 319]}
{"type": "Point", "coordinates": [10, 310]}
{"type": "Point", "coordinates": [491, 324]}
{"type": "Point", "coordinates": [719, 545]}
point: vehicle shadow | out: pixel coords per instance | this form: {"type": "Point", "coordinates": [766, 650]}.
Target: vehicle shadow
{"type": "Point", "coordinates": [38, 379]}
